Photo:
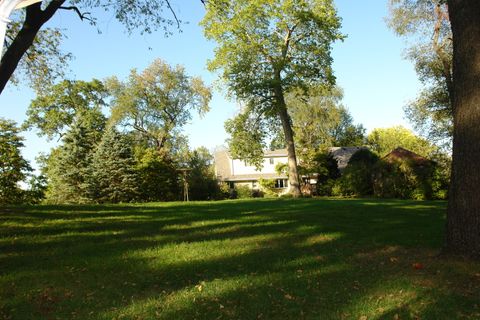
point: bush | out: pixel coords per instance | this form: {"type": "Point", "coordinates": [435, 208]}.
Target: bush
{"type": "Point", "coordinates": [406, 179]}
{"type": "Point", "coordinates": [326, 168]}
{"type": "Point", "coordinates": [224, 191]}
{"type": "Point", "coordinates": [243, 192]}
{"type": "Point", "coordinates": [357, 178]}
{"type": "Point", "coordinates": [267, 186]}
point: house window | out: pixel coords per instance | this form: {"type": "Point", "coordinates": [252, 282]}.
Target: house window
{"type": "Point", "coordinates": [280, 183]}
{"type": "Point", "coordinates": [271, 160]}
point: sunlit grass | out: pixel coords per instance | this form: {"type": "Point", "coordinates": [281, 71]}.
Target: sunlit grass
{"type": "Point", "coordinates": [256, 259]}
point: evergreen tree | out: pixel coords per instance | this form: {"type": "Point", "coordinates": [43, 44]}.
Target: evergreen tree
{"type": "Point", "coordinates": [67, 167]}
{"type": "Point", "coordinates": [113, 175]}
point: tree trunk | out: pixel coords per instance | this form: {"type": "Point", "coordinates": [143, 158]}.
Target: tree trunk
{"type": "Point", "coordinates": [463, 217]}
{"type": "Point", "coordinates": [293, 178]}
{"type": "Point", "coordinates": [35, 18]}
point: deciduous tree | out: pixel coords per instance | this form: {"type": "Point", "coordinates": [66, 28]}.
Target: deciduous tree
{"type": "Point", "coordinates": [463, 218]}
{"type": "Point", "coordinates": [158, 102]}
{"type": "Point", "coordinates": [144, 15]}
{"type": "Point", "coordinates": [269, 48]}
{"type": "Point", "coordinates": [13, 167]}
{"type": "Point", "coordinates": [384, 140]}
{"type": "Point", "coordinates": [425, 24]}
{"type": "Point", "coordinates": [54, 111]}
{"type": "Point", "coordinates": [321, 121]}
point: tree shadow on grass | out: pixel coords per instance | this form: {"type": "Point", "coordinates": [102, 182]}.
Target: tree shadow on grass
{"type": "Point", "coordinates": [281, 259]}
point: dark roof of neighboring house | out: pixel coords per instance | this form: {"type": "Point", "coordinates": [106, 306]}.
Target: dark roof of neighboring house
{"type": "Point", "coordinates": [343, 155]}
{"type": "Point", "coordinates": [404, 154]}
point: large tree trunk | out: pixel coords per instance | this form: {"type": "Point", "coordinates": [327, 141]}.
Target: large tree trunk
{"type": "Point", "coordinates": [463, 218]}
{"type": "Point", "coordinates": [293, 178]}
{"type": "Point", "coordinates": [35, 18]}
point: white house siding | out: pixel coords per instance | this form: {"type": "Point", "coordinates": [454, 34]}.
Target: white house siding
{"type": "Point", "coordinates": [240, 168]}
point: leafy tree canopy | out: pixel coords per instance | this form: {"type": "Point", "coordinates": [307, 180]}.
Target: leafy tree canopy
{"type": "Point", "coordinates": [265, 50]}
{"type": "Point", "coordinates": [53, 112]}
{"type": "Point", "coordinates": [43, 61]}
{"type": "Point", "coordinates": [158, 102]}
{"type": "Point", "coordinates": [384, 140]}
{"type": "Point", "coordinates": [13, 167]}
{"type": "Point", "coordinates": [426, 24]}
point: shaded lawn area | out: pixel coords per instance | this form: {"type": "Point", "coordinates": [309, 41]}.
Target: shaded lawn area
{"type": "Point", "coordinates": [254, 259]}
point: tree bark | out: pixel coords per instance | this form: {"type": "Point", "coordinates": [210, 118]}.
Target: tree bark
{"type": "Point", "coordinates": [463, 216]}
{"type": "Point", "coordinates": [35, 18]}
{"type": "Point", "coordinates": [293, 178]}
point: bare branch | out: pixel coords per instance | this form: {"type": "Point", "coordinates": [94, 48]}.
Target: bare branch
{"type": "Point", "coordinates": [173, 12]}
{"type": "Point", "coordinates": [82, 16]}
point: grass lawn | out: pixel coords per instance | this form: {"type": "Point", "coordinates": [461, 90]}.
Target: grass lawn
{"type": "Point", "coordinates": [255, 259]}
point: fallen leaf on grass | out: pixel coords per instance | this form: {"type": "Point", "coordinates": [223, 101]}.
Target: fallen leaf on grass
{"type": "Point", "coordinates": [289, 297]}
{"type": "Point", "coordinates": [417, 266]}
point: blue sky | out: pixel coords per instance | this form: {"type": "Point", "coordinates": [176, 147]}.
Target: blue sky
{"type": "Point", "coordinates": [369, 66]}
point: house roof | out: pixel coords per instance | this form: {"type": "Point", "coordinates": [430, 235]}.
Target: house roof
{"type": "Point", "coordinates": [404, 154]}
{"type": "Point", "coordinates": [275, 153]}
{"type": "Point", "coordinates": [343, 155]}
{"type": "Point", "coordinates": [254, 177]}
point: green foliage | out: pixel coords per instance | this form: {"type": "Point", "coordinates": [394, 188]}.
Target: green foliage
{"type": "Point", "coordinates": [384, 140]}
{"type": "Point", "coordinates": [159, 179]}
{"type": "Point", "coordinates": [224, 191]}
{"type": "Point", "coordinates": [426, 24]}
{"type": "Point", "coordinates": [326, 168]}
{"type": "Point", "coordinates": [257, 39]}
{"type": "Point", "coordinates": [55, 110]}
{"type": "Point", "coordinates": [44, 61]}
{"type": "Point", "coordinates": [202, 182]}
{"type": "Point", "coordinates": [403, 180]}
{"type": "Point", "coordinates": [243, 192]}
{"type": "Point", "coordinates": [13, 167]}
{"type": "Point", "coordinates": [113, 177]}
{"type": "Point", "coordinates": [67, 168]}
{"type": "Point", "coordinates": [265, 50]}
{"type": "Point", "coordinates": [158, 102]}
{"type": "Point", "coordinates": [247, 137]}
{"type": "Point", "coordinates": [358, 177]}
{"type": "Point", "coordinates": [37, 187]}
{"type": "Point", "coordinates": [267, 186]}
{"type": "Point", "coordinates": [321, 121]}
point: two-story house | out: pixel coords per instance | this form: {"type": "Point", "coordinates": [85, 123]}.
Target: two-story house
{"type": "Point", "coordinates": [236, 172]}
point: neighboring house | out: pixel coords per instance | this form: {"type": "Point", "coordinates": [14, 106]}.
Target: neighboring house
{"type": "Point", "coordinates": [236, 172]}
{"type": "Point", "coordinates": [343, 155]}
{"type": "Point", "coordinates": [402, 154]}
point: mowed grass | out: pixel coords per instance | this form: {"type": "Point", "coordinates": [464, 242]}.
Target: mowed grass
{"type": "Point", "coordinates": [255, 259]}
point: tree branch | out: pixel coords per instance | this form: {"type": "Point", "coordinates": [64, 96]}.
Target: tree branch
{"type": "Point", "coordinates": [82, 16]}
{"type": "Point", "coordinates": [173, 12]}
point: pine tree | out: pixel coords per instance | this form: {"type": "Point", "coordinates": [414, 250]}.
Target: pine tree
{"type": "Point", "coordinates": [68, 166]}
{"type": "Point", "coordinates": [113, 175]}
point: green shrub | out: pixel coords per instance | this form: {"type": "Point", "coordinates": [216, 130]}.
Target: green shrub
{"type": "Point", "coordinates": [267, 186]}
{"type": "Point", "coordinates": [243, 192]}
{"type": "Point", "coordinates": [326, 169]}
{"type": "Point", "coordinates": [357, 178]}
{"type": "Point", "coordinates": [406, 179]}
